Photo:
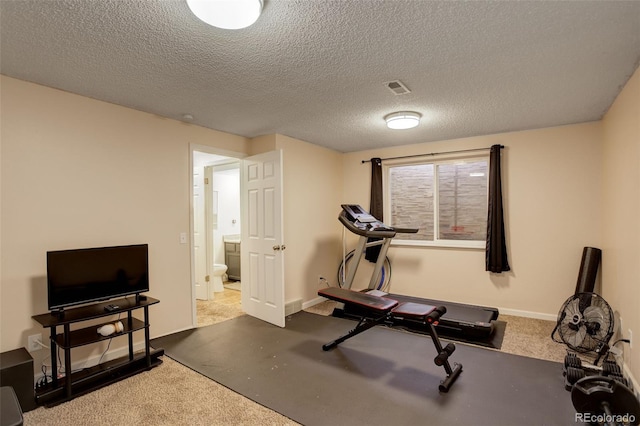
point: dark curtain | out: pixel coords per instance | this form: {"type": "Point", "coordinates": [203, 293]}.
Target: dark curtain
{"type": "Point", "coordinates": [496, 251]}
{"type": "Point", "coordinates": [376, 206]}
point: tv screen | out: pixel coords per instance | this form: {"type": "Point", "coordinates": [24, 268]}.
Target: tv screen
{"type": "Point", "coordinates": [94, 274]}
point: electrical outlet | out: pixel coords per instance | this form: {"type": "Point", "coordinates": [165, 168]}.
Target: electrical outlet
{"type": "Point", "coordinates": [630, 333]}
{"type": "Point", "coordinates": [322, 280]}
{"type": "Point", "coordinates": [32, 342]}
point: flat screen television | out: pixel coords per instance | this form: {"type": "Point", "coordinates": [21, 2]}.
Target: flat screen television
{"type": "Point", "coordinates": [93, 274]}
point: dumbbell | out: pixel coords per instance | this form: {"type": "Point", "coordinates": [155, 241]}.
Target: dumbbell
{"type": "Point", "coordinates": [572, 360]}
{"type": "Point", "coordinates": [572, 375]}
{"type": "Point", "coordinates": [611, 368]}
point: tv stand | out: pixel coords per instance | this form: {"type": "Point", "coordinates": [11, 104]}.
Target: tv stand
{"type": "Point", "coordinates": [86, 380]}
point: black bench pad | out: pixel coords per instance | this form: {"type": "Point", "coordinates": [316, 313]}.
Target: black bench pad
{"type": "Point", "coordinates": [367, 301]}
{"type": "Point", "coordinates": [414, 311]}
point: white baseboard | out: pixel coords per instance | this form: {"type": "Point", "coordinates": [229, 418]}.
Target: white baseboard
{"type": "Point", "coordinates": [313, 302]}
{"type": "Point", "coordinates": [191, 327]}
{"type": "Point", "coordinates": [528, 314]}
{"type": "Point", "coordinates": [292, 307]}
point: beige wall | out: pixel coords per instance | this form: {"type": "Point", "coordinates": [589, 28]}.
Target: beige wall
{"type": "Point", "coordinates": [312, 191]}
{"type": "Point", "coordinates": [82, 173]}
{"type": "Point", "coordinates": [621, 213]}
{"type": "Point", "coordinates": [262, 144]}
{"type": "Point", "coordinates": [552, 193]}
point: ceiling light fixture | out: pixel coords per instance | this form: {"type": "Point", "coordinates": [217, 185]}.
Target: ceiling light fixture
{"type": "Point", "coordinates": [402, 120]}
{"type": "Point", "coordinates": [227, 14]}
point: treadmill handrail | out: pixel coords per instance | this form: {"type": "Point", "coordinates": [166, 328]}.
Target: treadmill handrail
{"type": "Point", "coordinates": [406, 230]}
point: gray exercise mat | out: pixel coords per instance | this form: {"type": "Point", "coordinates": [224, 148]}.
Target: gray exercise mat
{"type": "Point", "coordinates": [380, 377]}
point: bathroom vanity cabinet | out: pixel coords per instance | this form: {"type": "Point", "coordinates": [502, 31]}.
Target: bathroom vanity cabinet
{"type": "Point", "coordinates": [232, 259]}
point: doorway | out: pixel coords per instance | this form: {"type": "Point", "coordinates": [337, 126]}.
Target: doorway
{"type": "Point", "coordinates": [262, 253]}
{"type": "Point", "coordinates": [216, 237]}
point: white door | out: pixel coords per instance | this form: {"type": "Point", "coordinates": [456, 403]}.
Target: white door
{"type": "Point", "coordinates": [199, 236]}
{"type": "Point", "coordinates": [262, 257]}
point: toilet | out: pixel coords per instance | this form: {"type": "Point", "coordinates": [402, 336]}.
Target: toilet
{"type": "Point", "coordinates": [218, 271]}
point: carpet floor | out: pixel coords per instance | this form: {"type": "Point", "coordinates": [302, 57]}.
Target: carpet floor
{"type": "Point", "coordinates": [380, 377]}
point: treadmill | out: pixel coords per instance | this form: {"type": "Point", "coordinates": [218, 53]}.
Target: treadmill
{"type": "Point", "coordinates": [467, 322]}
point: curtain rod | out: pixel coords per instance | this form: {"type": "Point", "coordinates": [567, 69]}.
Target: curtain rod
{"type": "Point", "coordinates": [432, 153]}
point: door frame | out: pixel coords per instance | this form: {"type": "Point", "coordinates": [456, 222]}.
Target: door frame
{"type": "Point", "coordinates": [193, 147]}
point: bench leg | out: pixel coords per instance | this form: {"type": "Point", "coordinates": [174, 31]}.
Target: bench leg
{"type": "Point", "coordinates": [442, 359]}
{"type": "Point", "coordinates": [363, 325]}
{"type": "Point", "coordinates": [446, 384]}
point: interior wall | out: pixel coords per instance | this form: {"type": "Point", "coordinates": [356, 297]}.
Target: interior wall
{"type": "Point", "coordinates": [552, 197]}
{"type": "Point", "coordinates": [621, 202]}
{"type": "Point", "coordinates": [77, 172]}
{"type": "Point", "coordinates": [262, 144]}
{"type": "Point", "coordinates": [312, 189]}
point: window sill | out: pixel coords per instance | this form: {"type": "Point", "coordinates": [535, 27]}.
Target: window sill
{"type": "Point", "coordinates": [474, 245]}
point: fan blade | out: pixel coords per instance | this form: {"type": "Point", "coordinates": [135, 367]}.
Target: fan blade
{"type": "Point", "coordinates": [570, 328]}
{"type": "Point", "coordinates": [597, 322]}
{"type": "Point", "coordinates": [573, 337]}
{"type": "Point", "coordinates": [572, 312]}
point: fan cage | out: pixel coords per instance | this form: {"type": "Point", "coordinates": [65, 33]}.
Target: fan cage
{"type": "Point", "coordinates": [585, 323]}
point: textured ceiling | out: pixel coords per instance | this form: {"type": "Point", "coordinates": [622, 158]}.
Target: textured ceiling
{"type": "Point", "coordinates": [315, 70]}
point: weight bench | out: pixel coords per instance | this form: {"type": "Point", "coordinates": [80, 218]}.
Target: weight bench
{"type": "Point", "coordinates": [381, 310]}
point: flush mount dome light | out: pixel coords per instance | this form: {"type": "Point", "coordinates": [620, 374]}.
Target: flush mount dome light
{"type": "Point", "coordinates": [403, 120]}
{"type": "Point", "coordinates": [227, 14]}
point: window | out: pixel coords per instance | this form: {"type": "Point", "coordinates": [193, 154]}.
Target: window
{"type": "Point", "coordinates": [445, 199]}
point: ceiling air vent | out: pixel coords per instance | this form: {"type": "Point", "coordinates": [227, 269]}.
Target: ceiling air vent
{"type": "Point", "coordinates": [397, 87]}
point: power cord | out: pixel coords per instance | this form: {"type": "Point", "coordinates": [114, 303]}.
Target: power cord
{"type": "Point", "coordinates": [109, 344]}
{"type": "Point", "coordinates": [44, 380]}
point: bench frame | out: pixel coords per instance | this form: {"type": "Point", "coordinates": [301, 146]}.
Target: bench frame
{"type": "Point", "coordinates": [382, 310]}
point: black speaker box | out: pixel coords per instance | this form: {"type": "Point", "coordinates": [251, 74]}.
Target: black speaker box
{"type": "Point", "coordinates": [16, 370]}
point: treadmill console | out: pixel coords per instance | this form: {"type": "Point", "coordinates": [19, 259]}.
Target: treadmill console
{"type": "Point", "coordinates": [360, 222]}
{"type": "Point", "coordinates": [358, 214]}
